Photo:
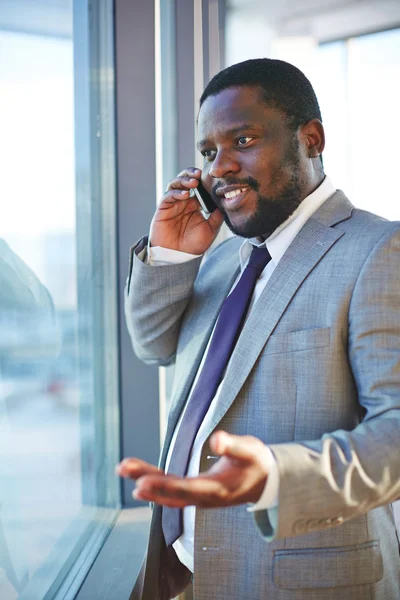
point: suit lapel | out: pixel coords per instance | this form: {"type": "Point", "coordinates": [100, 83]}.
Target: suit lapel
{"type": "Point", "coordinates": [304, 253]}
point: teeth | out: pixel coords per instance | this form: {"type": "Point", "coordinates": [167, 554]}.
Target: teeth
{"type": "Point", "coordinates": [234, 193]}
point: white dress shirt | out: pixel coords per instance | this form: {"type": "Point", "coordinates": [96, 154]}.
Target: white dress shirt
{"type": "Point", "coordinates": [277, 244]}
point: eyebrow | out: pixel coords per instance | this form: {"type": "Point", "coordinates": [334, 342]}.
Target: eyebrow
{"type": "Point", "coordinates": [237, 129]}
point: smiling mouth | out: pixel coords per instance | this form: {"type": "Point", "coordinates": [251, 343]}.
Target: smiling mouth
{"type": "Point", "coordinates": [234, 193]}
{"type": "Point", "coordinates": [233, 198]}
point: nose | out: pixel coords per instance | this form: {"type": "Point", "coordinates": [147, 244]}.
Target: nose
{"type": "Point", "coordinates": [223, 164]}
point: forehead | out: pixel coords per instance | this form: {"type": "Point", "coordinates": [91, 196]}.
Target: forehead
{"type": "Point", "coordinates": [234, 107]}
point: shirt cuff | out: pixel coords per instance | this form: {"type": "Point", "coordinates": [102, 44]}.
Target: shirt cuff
{"type": "Point", "coordinates": [269, 496]}
{"type": "Point", "coordinates": [158, 256]}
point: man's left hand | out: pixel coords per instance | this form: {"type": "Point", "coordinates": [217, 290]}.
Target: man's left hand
{"type": "Point", "coordinates": [238, 477]}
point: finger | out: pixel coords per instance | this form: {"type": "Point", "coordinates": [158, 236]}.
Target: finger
{"type": "Point", "coordinates": [176, 194]}
{"type": "Point", "coordinates": [166, 490]}
{"type": "Point", "coordinates": [190, 172]}
{"type": "Point", "coordinates": [135, 468]}
{"type": "Point", "coordinates": [181, 200]}
{"type": "Point", "coordinates": [216, 219]}
{"type": "Point", "coordinates": [179, 492]}
{"type": "Point", "coordinates": [235, 446]}
{"type": "Point", "coordinates": [190, 176]}
{"type": "Point", "coordinates": [187, 182]}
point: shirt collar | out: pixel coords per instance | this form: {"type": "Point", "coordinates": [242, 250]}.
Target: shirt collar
{"type": "Point", "coordinates": [279, 241]}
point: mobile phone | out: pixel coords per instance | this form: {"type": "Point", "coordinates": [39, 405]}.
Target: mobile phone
{"type": "Point", "coordinates": [205, 200]}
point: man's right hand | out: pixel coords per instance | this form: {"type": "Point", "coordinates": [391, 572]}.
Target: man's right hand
{"type": "Point", "coordinates": [178, 223]}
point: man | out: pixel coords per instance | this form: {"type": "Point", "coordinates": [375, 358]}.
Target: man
{"type": "Point", "coordinates": [307, 403]}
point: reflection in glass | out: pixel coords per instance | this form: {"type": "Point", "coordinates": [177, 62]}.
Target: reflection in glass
{"type": "Point", "coordinates": [55, 451]}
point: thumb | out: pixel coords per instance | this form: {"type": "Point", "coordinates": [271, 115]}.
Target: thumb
{"type": "Point", "coordinates": [215, 220]}
{"type": "Point", "coordinates": [235, 446]}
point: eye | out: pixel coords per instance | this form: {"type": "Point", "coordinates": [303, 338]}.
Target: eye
{"type": "Point", "coordinates": [243, 140]}
{"type": "Point", "coordinates": [208, 154]}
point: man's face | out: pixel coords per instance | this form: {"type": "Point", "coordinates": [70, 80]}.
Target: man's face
{"type": "Point", "coordinates": [254, 165]}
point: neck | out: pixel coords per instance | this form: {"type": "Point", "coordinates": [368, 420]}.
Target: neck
{"type": "Point", "coordinates": [314, 183]}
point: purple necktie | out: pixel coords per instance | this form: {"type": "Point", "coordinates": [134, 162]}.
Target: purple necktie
{"type": "Point", "coordinates": [226, 332]}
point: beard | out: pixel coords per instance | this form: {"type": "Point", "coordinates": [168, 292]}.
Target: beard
{"type": "Point", "coordinates": [272, 211]}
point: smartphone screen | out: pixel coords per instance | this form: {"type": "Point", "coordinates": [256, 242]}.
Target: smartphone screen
{"type": "Point", "coordinates": [205, 200]}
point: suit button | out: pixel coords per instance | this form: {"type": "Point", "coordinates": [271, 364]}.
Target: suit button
{"type": "Point", "coordinates": [300, 526]}
{"type": "Point", "coordinates": [324, 523]}
{"type": "Point", "coordinates": [313, 525]}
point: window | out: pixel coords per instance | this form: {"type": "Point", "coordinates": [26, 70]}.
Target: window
{"type": "Point", "coordinates": [58, 318]}
{"type": "Point", "coordinates": [359, 91]}
{"type": "Point", "coordinates": [356, 80]}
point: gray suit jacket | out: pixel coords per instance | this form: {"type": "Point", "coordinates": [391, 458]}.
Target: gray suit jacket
{"type": "Point", "coordinates": [315, 374]}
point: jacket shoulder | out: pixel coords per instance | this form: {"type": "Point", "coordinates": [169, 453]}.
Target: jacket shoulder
{"type": "Point", "coordinates": [368, 229]}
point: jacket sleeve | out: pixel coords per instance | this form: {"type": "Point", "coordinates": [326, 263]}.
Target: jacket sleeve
{"type": "Point", "coordinates": [155, 301]}
{"type": "Point", "coordinates": [344, 474]}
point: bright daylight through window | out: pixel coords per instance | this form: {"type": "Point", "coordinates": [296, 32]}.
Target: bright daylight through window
{"type": "Point", "coordinates": [58, 349]}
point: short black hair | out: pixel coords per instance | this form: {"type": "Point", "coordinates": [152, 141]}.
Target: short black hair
{"type": "Point", "coordinates": [282, 85]}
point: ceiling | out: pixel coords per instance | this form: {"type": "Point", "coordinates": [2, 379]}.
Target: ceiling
{"type": "Point", "coordinates": [323, 19]}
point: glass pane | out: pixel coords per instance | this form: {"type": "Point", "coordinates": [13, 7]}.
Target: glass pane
{"type": "Point", "coordinates": [374, 100]}
{"type": "Point", "coordinates": [58, 333]}
{"type": "Point", "coordinates": [358, 85]}
{"type": "Point", "coordinates": [330, 84]}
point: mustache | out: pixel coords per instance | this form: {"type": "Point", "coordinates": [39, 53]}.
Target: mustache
{"type": "Point", "coordinates": [246, 181]}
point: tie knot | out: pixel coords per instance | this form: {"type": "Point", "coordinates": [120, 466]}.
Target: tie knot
{"type": "Point", "coordinates": [259, 257]}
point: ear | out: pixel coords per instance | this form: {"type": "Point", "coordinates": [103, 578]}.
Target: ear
{"type": "Point", "coordinates": [313, 136]}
